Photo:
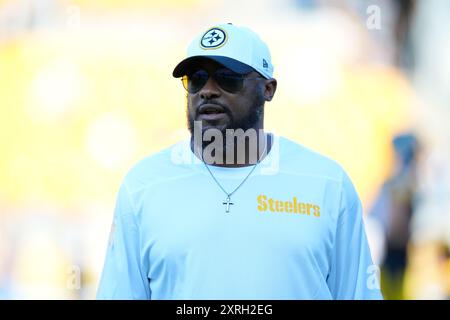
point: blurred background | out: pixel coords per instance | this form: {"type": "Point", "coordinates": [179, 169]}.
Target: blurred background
{"type": "Point", "coordinates": [86, 91]}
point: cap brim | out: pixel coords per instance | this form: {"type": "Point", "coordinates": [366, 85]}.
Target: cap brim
{"type": "Point", "coordinates": [185, 66]}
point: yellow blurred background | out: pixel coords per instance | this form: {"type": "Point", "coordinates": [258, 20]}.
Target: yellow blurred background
{"type": "Point", "coordinates": [86, 91]}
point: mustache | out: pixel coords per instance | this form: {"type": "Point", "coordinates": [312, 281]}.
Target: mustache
{"type": "Point", "coordinates": [225, 108]}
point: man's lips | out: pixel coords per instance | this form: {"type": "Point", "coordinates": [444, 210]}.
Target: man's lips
{"type": "Point", "coordinates": [210, 111]}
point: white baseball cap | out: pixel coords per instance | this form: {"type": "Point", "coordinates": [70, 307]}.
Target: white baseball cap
{"type": "Point", "coordinates": [237, 48]}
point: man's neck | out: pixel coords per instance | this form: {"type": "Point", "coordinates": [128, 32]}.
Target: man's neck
{"type": "Point", "coordinates": [234, 152]}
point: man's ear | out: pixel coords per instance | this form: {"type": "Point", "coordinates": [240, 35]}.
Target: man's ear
{"type": "Point", "coordinates": [269, 89]}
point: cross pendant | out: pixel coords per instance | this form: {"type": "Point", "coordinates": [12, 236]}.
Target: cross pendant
{"type": "Point", "coordinates": [227, 202]}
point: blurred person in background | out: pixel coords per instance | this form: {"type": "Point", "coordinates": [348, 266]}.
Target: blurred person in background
{"type": "Point", "coordinates": [394, 208]}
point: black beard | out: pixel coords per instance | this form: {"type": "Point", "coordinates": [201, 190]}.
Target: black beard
{"type": "Point", "coordinates": [249, 121]}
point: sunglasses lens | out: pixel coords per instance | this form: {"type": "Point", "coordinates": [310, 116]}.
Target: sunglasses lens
{"type": "Point", "coordinates": [225, 78]}
{"type": "Point", "coordinates": [196, 81]}
{"type": "Point", "coordinates": [229, 80]}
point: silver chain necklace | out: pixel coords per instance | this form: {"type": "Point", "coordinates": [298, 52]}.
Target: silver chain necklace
{"type": "Point", "coordinates": [227, 201]}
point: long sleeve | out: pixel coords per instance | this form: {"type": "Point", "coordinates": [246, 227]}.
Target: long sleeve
{"type": "Point", "coordinates": [123, 276]}
{"type": "Point", "coordinates": [352, 273]}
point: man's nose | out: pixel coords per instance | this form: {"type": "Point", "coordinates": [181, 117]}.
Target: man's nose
{"type": "Point", "coordinates": [210, 89]}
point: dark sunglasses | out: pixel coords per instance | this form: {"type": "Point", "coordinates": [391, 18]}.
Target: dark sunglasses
{"type": "Point", "coordinates": [227, 80]}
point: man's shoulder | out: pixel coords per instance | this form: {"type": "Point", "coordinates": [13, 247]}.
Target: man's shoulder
{"type": "Point", "coordinates": [159, 166]}
{"type": "Point", "coordinates": [306, 161]}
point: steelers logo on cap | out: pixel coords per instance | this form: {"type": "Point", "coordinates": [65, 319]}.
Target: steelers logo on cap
{"type": "Point", "coordinates": [213, 38]}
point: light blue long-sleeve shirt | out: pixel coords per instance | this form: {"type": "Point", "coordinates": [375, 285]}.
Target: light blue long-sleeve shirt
{"type": "Point", "coordinates": [295, 231]}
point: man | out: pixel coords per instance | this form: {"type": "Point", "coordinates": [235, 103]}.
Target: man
{"type": "Point", "coordinates": [249, 215]}
{"type": "Point", "coordinates": [394, 209]}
